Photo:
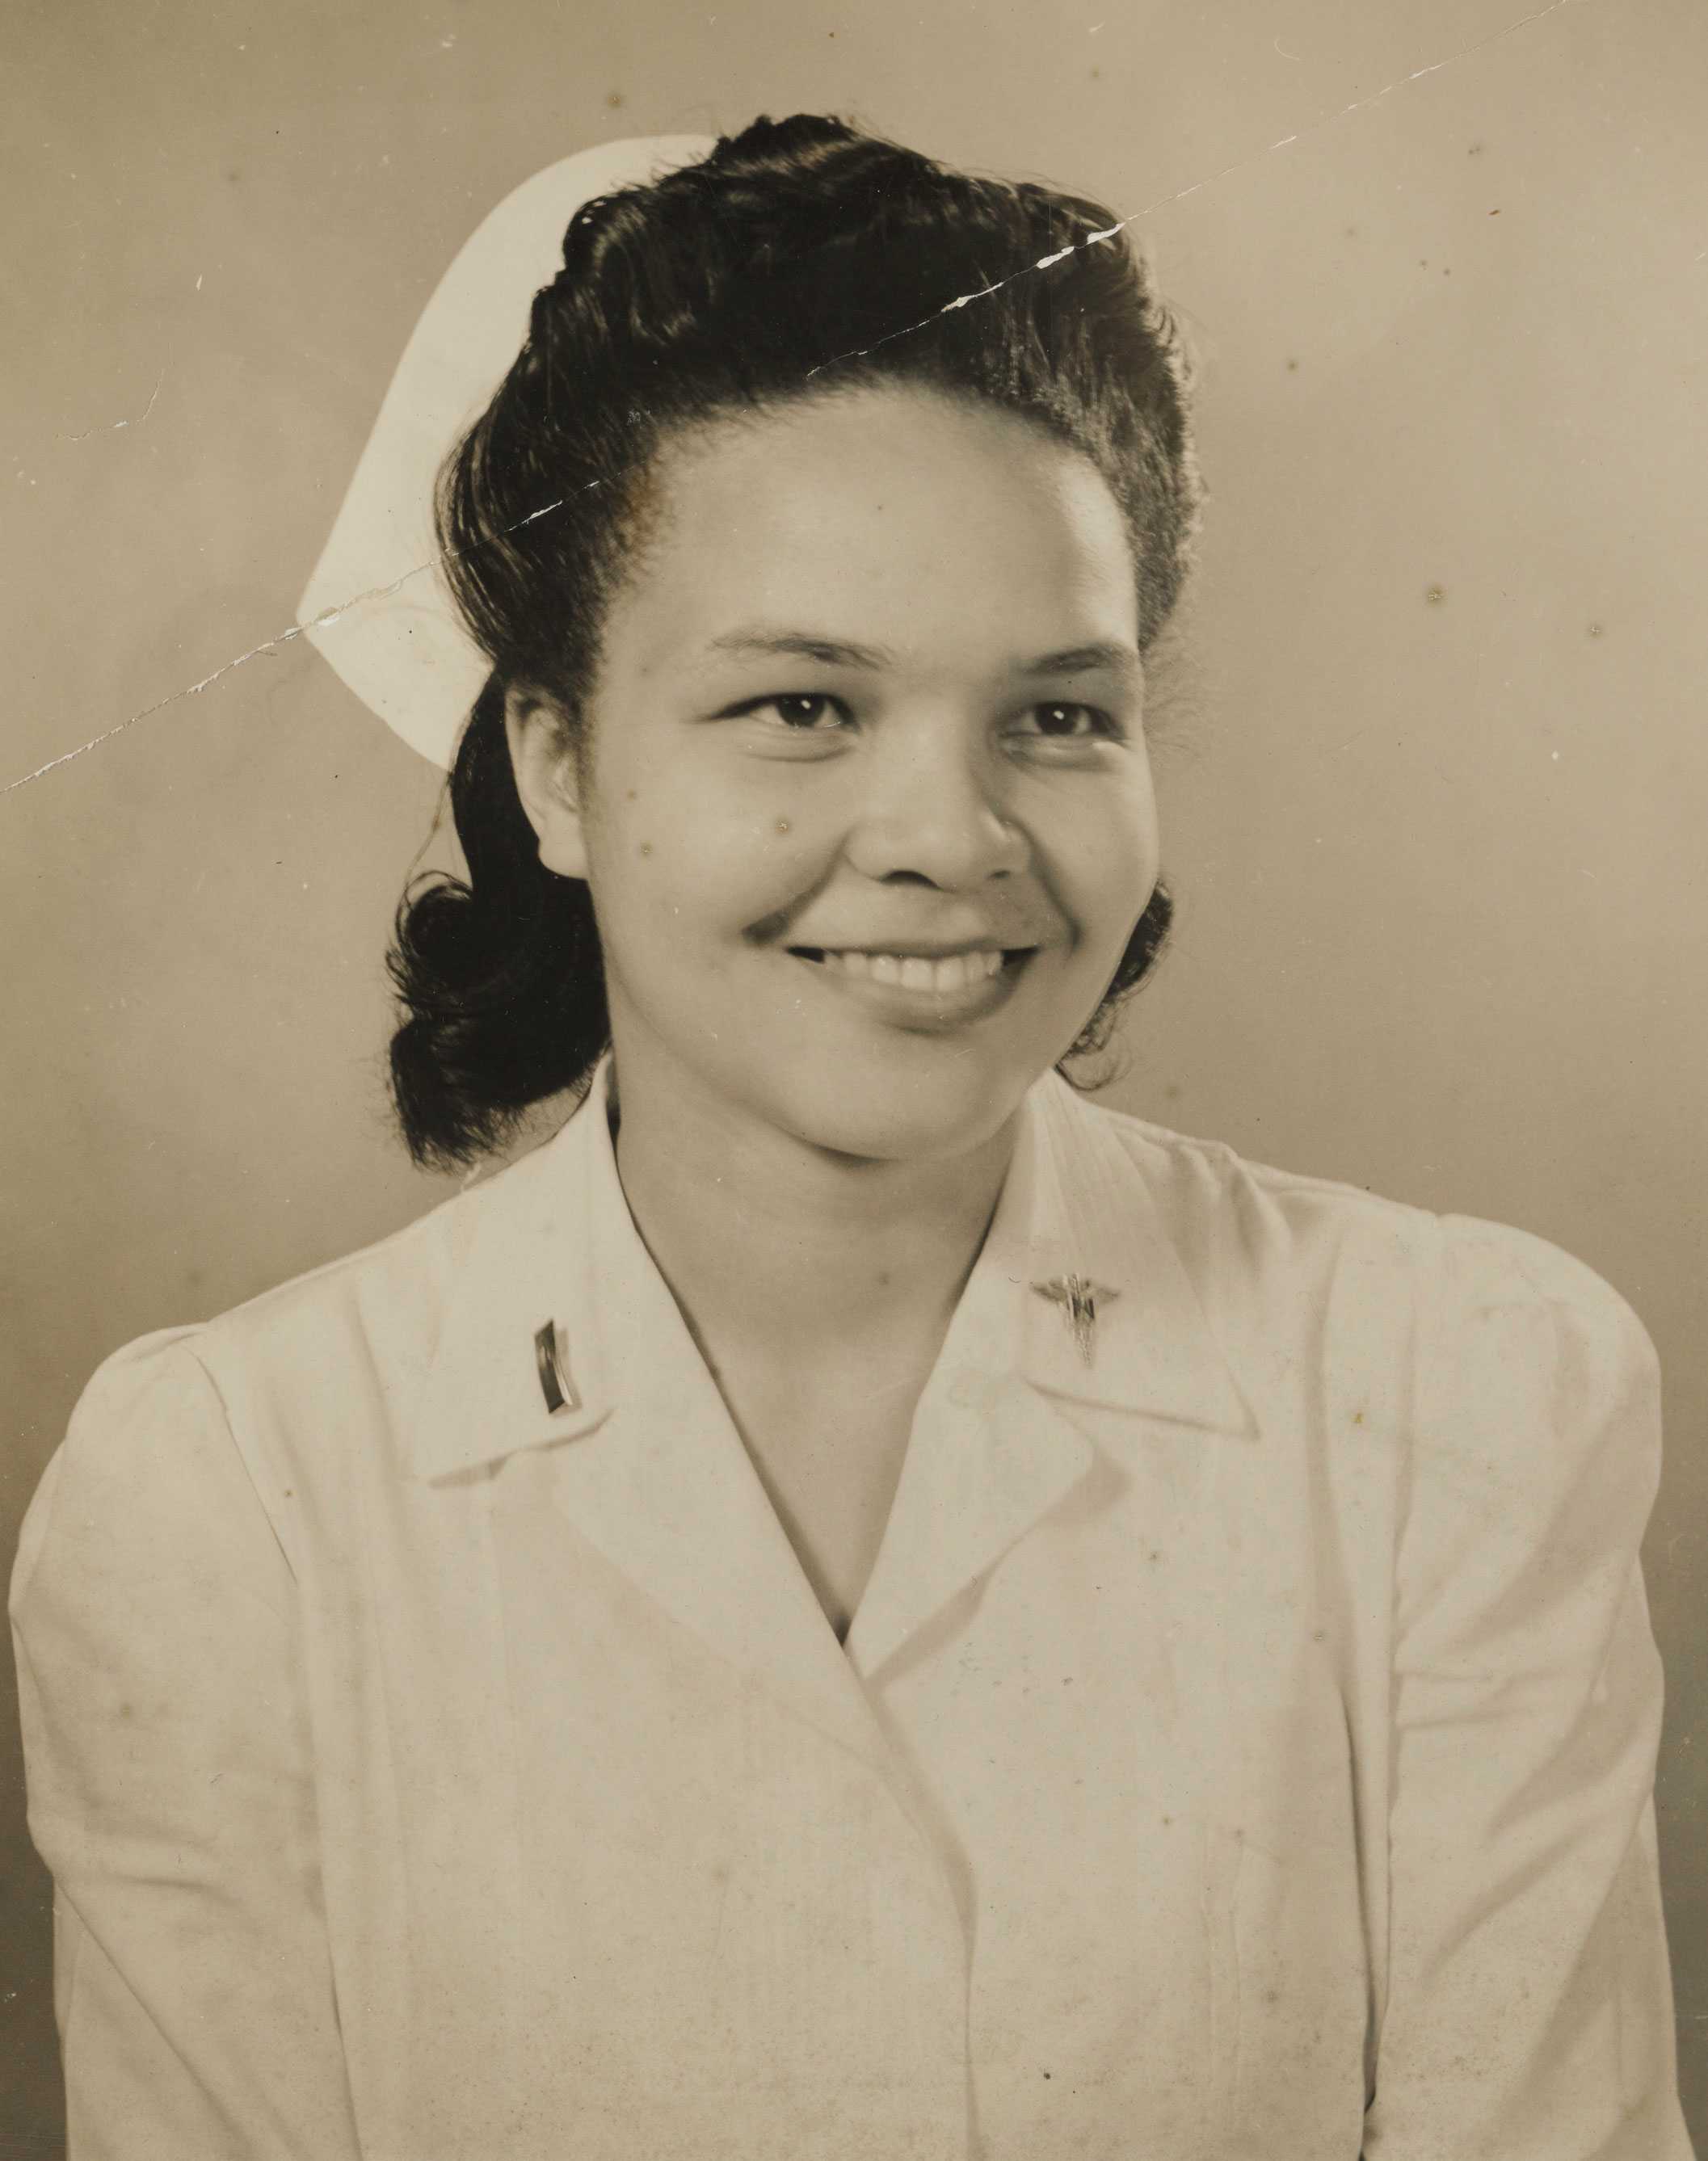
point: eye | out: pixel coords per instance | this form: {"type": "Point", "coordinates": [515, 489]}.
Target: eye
{"type": "Point", "coordinates": [1066, 721]}
{"type": "Point", "coordinates": [802, 712]}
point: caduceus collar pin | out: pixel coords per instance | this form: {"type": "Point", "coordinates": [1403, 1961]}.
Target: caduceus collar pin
{"type": "Point", "coordinates": [1079, 1297]}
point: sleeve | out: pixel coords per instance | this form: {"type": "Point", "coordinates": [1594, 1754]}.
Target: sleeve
{"type": "Point", "coordinates": [1528, 2013]}
{"type": "Point", "coordinates": [170, 1787]}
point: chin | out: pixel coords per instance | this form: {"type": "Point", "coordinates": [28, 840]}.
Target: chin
{"type": "Point", "coordinates": [945, 1108]}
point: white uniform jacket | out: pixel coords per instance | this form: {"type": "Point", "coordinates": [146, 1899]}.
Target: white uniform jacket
{"type": "Point", "coordinates": [1243, 1747]}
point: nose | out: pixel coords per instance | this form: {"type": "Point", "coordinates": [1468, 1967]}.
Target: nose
{"type": "Point", "coordinates": [932, 811]}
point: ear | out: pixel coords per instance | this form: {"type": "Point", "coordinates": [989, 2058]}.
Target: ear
{"type": "Point", "coordinates": [543, 758]}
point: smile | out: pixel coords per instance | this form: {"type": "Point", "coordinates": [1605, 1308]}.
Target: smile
{"type": "Point", "coordinates": [928, 992]}
{"type": "Point", "coordinates": [939, 975]}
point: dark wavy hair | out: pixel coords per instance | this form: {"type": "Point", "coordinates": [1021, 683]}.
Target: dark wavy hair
{"type": "Point", "coordinates": [798, 257]}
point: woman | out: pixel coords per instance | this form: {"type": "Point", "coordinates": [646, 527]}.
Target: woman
{"type": "Point", "coordinates": [853, 1603]}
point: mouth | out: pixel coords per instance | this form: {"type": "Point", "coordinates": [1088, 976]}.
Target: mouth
{"type": "Point", "coordinates": [941, 974]}
{"type": "Point", "coordinates": [961, 984]}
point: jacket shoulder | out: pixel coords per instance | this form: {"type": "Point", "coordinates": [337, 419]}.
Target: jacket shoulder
{"type": "Point", "coordinates": [305, 1367]}
{"type": "Point", "coordinates": [1453, 1272]}
{"type": "Point", "coordinates": [389, 1295]}
{"type": "Point", "coordinates": [1199, 1182]}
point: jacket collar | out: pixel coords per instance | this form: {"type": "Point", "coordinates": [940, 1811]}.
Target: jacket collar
{"type": "Point", "coordinates": [1093, 1207]}
{"type": "Point", "coordinates": [995, 1443]}
{"type": "Point", "coordinates": [644, 1461]}
{"type": "Point", "coordinates": [535, 1247]}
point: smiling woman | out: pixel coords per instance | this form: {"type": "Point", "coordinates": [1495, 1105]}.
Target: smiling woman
{"type": "Point", "coordinates": [892, 784]}
{"type": "Point", "coordinates": [853, 1602]}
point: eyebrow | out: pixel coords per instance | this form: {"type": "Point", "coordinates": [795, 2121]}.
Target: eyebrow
{"type": "Point", "coordinates": [763, 644]}
{"type": "Point", "coordinates": [1103, 653]}
{"type": "Point", "coordinates": [801, 645]}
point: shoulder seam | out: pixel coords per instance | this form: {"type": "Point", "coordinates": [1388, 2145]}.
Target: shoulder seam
{"type": "Point", "coordinates": [1264, 1174]}
{"type": "Point", "coordinates": [238, 1449]}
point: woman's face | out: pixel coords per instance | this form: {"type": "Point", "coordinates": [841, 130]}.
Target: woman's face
{"type": "Point", "coordinates": [866, 815]}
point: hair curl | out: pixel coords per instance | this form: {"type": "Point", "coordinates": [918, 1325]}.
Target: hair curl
{"type": "Point", "coordinates": [798, 257]}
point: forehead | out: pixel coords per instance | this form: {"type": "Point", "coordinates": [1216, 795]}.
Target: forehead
{"type": "Point", "coordinates": [946, 531]}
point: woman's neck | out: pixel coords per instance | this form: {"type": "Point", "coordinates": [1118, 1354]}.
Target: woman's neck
{"type": "Point", "coordinates": [769, 1242]}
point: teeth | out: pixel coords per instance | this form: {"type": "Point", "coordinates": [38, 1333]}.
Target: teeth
{"type": "Point", "coordinates": [914, 971]}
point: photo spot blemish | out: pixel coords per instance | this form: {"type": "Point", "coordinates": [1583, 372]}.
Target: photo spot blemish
{"type": "Point", "coordinates": [646, 848]}
{"type": "Point", "coordinates": [1597, 630]}
{"type": "Point", "coordinates": [782, 825]}
{"type": "Point", "coordinates": [613, 98]}
{"type": "Point", "coordinates": [1434, 594]}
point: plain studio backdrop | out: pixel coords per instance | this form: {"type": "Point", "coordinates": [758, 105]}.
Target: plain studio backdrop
{"type": "Point", "coordinates": [1433, 768]}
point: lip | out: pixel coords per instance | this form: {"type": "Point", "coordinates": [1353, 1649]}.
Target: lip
{"type": "Point", "coordinates": [926, 1009]}
{"type": "Point", "coordinates": [915, 948]}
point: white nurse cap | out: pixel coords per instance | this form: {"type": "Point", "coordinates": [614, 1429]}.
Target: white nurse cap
{"type": "Point", "coordinates": [377, 607]}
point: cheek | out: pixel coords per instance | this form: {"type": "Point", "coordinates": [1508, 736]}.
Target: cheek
{"type": "Point", "coordinates": [676, 863]}
{"type": "Point", "coordinates": [1103, 860]}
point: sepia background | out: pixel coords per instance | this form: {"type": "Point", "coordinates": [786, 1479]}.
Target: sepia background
{"type": "Point", "coordinates": [1434, 764]}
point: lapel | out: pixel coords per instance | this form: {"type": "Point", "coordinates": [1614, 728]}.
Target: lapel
{"type": "Point", "coordinates": [647, 1463]}
{"type": "Point", "coordinates": [995, 1443]}
{"type": "Point", "coordinates": [1100, 1212]}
